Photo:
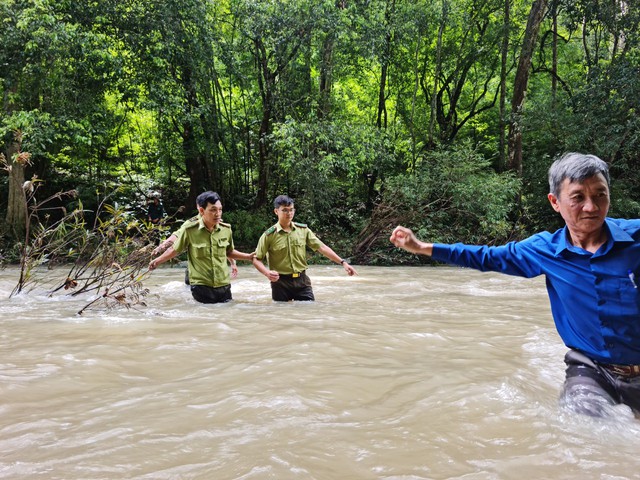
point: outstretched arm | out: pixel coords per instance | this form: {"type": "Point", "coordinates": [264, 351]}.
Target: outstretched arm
{"type": "Point", "coordinates": [167, 255]}
{"type": "Point", "coordinates": [334, 257]}
{"type": "Point", "coordinates": [404, 238]}
{"type": "Point", "coordinates": [238, 255]}
{"type": "Point", "coordinates": [165, 244]}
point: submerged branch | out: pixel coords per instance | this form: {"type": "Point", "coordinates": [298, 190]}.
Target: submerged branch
{"type": "Point", "coordinates": [112, 257]}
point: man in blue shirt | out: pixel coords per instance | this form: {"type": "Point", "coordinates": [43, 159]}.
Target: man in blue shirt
{"type": "Point", "coordinates": [590, 267]}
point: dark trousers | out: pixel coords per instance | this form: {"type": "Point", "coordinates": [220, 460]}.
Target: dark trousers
{"type": "Point", "coordinates": [290, 287]}
{"type": "Point", "coordinates": [204, 294]}
{"type": "Point", "coordinates": [589, 387]}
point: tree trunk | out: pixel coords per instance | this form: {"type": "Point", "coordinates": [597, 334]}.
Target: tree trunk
{"type": "Point", "coordinates": [381, 121]}
{"type": "Point", "coordinates": [16, 219]}
{"type": "Point", "coordinates": [264, 162]}
{"type": "Point", "coordinates": [326, 67]}
{"type": "Point", "coordinates": [503, 85]}
{"type": "Point", "coordinates": [198, 168]}
{"type": "Point", "coordinates": [436, 73]}
{"type": "Point", "coordinates": [414, 96]}
{"type": "Point", "coordinates": [554, 54]}
{"type": "Point", "coordinates": [520, 86]}
{"type": "Point", "coordinates": [210, 125]}
{"type": "Point", "coordinates": [266, 82]}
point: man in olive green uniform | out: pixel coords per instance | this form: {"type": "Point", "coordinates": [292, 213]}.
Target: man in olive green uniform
{"type": "Point", "coordinates": [208, 242]}
{"type": "Point", "coordinates": [284, 246]}
{"type": "Point", "coordinates": [174, 236]}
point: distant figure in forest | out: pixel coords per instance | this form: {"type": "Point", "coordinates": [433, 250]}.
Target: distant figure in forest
{"type": "Point", "coordinates": [155, 209]}
{"type": "Point", "coordinates": [284, 246]}
{"type": "Point", "coordinates": [591, 266]}
{"type": "Point", "coordinates": [208, 242]}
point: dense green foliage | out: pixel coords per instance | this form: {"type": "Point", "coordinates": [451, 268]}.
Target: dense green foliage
{"type": "Point", "coordinates": [367, 113]}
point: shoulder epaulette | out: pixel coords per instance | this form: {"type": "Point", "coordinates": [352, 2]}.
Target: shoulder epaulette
{"type": "Point", "coordinates": [303, 225]}
{"type": "Point", "coordinates": [228, 225]}
{"type": "Point", "coordinates": [192, 222]}
{"type": "Point", "coordinates": [270, 230]}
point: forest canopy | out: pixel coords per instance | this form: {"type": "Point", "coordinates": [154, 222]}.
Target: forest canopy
{"type": "Point", "coordinates": [442, 115]}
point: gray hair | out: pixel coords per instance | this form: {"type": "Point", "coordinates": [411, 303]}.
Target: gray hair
{"type": "Point", "coordinates": [577, 167]}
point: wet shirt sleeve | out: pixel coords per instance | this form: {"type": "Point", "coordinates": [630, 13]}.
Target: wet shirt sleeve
{"type": "Point", "coordinates": [513, 258]}
{"type": "Point", "coordinates": [182, 240]}
{"type": "Point", "coordinates": [594, 302]}
{"type": "Point", "coordinates": [262, 248]}
{"type": "Point", "coordinates": [180, 244]}
{"type": "Point", "coordinates": [313, 242]}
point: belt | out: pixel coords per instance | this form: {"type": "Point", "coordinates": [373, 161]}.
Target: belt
{"type": "Point", "coordinates": [292, 275]}
{"type": "Point", "coordinates": [622, 370]}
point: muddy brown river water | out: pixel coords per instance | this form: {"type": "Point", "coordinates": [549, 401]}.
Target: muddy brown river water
{"type": "Point", "coordinates": [400, 373]}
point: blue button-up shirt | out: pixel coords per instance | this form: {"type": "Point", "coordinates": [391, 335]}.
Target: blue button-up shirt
{"type": "Point", "coordinates": [594, 300]}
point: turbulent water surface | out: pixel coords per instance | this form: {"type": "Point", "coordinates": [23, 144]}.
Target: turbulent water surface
{"type": "Point", "coordinates": [399, 373]}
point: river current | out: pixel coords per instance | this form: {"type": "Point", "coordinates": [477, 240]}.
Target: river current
{"type": "Point", "coordinates": [399, 373]}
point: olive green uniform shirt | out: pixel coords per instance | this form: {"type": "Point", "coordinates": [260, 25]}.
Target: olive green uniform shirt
{"type": "Point", "coordinates": [187, 223]}
{"type": "Point", "coordinates": [286, 251]}
{"type": "Point", "coordinates": [207, 252]}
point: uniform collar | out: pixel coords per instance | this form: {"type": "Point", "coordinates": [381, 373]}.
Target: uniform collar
{"type": "Point", "coordinates": [202, 226]}
{"type": "Point", "coordinates": [279, 227]}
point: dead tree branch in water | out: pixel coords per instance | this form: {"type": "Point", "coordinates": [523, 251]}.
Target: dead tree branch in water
{"type": "Point", "coordinates": [109, 260]}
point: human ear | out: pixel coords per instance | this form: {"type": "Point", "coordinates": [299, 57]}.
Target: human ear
{"type": "Point", "coordinates": [553, 200]}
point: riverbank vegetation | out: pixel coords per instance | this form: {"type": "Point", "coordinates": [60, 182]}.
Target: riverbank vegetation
{"type": "Point", "coordinates": [443, 116]}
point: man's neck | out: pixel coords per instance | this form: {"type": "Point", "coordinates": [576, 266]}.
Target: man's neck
{"type": "Point", "coordinates": [285, 226]}
{"type": "Point", "coordinates": [209, 226]}
{"type": "Point", "coordinates": [590, 243]}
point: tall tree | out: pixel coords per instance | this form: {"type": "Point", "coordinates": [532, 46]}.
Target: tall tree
{"type": "Point", "coordinates": [466, 82]}
{"type": "Point", "coordinates": [534, 21]}
{"type": "Point", "coordinates": [55, 72]}
{"type": "Point", "coordinates": [438, 70]}
{"type": "Point", "coordinates": [15, 221]}
{"type": "Point", "coordinates": [327, 60]}
{"type": "Point", "coordinates": [385, 60]}
{"type": "Point", "coordinates": [277, 31]}
{"type": "Point", "coordinates": [504, 59]}
{"type": "Point", "coordinates": [172, 60]}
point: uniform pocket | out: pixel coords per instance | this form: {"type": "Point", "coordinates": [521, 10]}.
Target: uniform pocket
{"type": "Point", "coordinates": [298, 245]}
{"type": "Point", "coordinates": [222, 244]}
{"type": "Point", "coordinates": [201, 250]}
{"type": "Point", "coordinates": [278, 247]}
